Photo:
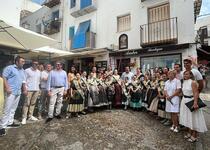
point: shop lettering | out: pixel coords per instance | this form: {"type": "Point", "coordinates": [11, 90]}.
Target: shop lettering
{"type": "Point", "coordinates": [155, 49]}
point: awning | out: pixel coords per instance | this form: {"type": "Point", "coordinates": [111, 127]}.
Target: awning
{"type": "Point", "coordinates": [90, 53]}
{"type": "Point", "coordinates": [20, 38]}
{"type": "Point", "coordinates": [52, 51]}
{"type": "Point", "coordinates": [46, 53]}
{"type": "Point", "coordinates": [79, 40]}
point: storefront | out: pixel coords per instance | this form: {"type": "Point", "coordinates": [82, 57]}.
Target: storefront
{"type": "Point", "coordinates": [160, 60]}
{"type": "Point", "coordinates": [147, 58]}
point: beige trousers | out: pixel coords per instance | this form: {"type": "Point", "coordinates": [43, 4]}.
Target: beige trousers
{"type": "Point", "coordinates": [29, 104]}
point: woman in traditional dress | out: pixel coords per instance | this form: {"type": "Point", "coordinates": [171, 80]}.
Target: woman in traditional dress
{"type": "Point", "coordinates": [139, 73]}
{"type": "Point", "coordinates": [94, 91]}
{"type": "Point", "coordinates": [126, 89]}
{"type": "Point", "coordinates": [162, 101]}
{"type": "Point", "coordinates": [145, 89]}
{"type": "Point", "coordinates": [103, 101]}
{"type": "Point", "coordinates": [118, 89]}
{"type": "Point", "coordinates": [71, 77]}
{"type": "Point", "coordinates": [86, 90]}
{"type": "Point", "coordinates": [154, 96]}
{"type": "Point", "coordinates": [136, 101]}
{"type": "Point", "coordinates": [76, 102]}
{"type": "Point", "coordinates": [194, 121]}
{"type": "Point", "coordinates": [110, 90]}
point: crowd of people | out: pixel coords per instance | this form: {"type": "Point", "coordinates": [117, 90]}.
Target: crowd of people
{"type": "Point", "coordinates": [160, 91]}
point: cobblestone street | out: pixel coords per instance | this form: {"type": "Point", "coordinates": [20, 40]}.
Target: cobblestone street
{"type": "Point", "coordinates": [103, 130]}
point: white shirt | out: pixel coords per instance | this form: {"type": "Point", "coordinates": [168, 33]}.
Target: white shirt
{"type": "Point", "coordinates": [171, 87]}
{"type": "Point", "coordinates": [128, 75]}
{"type": "Point", "coordinates": [32, 79]}
{"type": "Point", "coordinates": [44, 77]}
{"type": "Point", "coordinates": [197, 75]}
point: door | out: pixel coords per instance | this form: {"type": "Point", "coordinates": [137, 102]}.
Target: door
{"type": "Point", "coordinates": [159, 23]}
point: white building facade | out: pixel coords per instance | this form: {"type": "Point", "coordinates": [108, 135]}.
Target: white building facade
{"type": "Point", "coordinates": [202, 29]}
{"type": "Point", "coordinates": [138, 33]}
{"type": "Point", "coordinates": [150, 33]}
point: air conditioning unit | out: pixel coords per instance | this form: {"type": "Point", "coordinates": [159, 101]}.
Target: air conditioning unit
{"type": "Point", "coordinates": [113, 47]}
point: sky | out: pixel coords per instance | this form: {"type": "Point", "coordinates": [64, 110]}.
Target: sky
{"type": "Point", "coordinates": [38, 1]}
{"type": "Point", "coordinates": [205, 9]}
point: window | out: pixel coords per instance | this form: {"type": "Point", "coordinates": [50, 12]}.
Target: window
{"type": "Point", "coordinates": [80, 38]}
{"type": "Point", "coordinates": [159, 13]}
{"type": "Point", "coordinates": [85, 3]}
{"type": "Point", "coordinates": [204, 32]}
{"type": "Point", "coordinates": [71, 32]}
{"type": "Point", "coordinates": [160, 27]}
{"type": "Point", "coordinates": [38, 28]}
{"type": "Point", "coordinates": [72, 3]}
{"type": "Point", "coordinates": [160, 61]}
{"type": "Point", "coordinates": [123, 23]}
{"type": "Point", "coordinates": [55, 15]}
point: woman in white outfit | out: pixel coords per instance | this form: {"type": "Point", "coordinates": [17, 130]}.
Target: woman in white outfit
{"type": "Point", "coordinates": [171, 90]}
{"type": "Point", "coordinates": [194, 121]}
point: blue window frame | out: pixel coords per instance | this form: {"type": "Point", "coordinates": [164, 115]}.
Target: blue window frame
{"type": "Point", "coordinates": [71, 32]}
{"type": "Point", "coordinates": [79, 39]}
{"type": "Point", "coordinates": [55, 14]}
{"type": "Point", "coordinates": [85, 3]}
{"type": "Point", "coordinates": [72, 3]}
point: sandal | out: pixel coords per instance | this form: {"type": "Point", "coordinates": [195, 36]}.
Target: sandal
{"type": "Point", "coordinates": [192, 139]}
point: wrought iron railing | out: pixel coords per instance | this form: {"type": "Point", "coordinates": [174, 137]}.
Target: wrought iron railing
{"type": "Point", "coordinates": [159, 32]}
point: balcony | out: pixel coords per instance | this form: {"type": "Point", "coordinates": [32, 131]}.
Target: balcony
{"type": "Point", "coordinates": [77, 11]}
{"type": "Point", "coordinates": [159, 33]}
{"type": "Point", "coordinates": [52, 27]}
{"type": "Point", "coordinates": [90, 42]}
{"type": "Point", "coordinates": [51, 3]}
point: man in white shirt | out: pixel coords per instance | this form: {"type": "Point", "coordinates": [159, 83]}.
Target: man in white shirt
{"type": "Point", "coordinates": [177, 68]}
{"type": "Point", "coordinates": [32, 83]}
{"type": "Point", "coordinates": [127, 74]}
{"type": "Point", "coordinates": [42, 107]}
{"type": "Point", "coordinates": [197, 75]}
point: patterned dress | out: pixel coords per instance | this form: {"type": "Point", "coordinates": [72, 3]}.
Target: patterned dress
{"type": "Point", "coordinates": [76, 101]}
{"type": "Point", "coordinates": [136, 95]}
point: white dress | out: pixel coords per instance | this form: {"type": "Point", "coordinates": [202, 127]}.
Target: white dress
{"type": "Point", "coordinates": [193, 120]}
{"type": "Point", "coordinates": [170, 88]}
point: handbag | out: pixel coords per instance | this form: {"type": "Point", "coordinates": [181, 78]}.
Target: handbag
{"type": "Point", "coordinates": [190, 104]}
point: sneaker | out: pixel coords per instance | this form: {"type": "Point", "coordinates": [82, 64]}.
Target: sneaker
{"type": "Point", "coordinates": [32, 118]}
{"type": "Point", "coordinates": [14, 125]}
{"type": "Point", "coordinates": [176, 129]}
{"type": "Point", "coordinates": [2, 132]}
{"type": "Point", "coordinates": [23, 121]}
{"type": "Point", "coordinates": [58, 117]}
{"type": "Point", "coordinates": [48, 120]}
{"type": "Point", "coordinates": [172, 128]}
{"type": "Point", "coordinates": [40, 117]}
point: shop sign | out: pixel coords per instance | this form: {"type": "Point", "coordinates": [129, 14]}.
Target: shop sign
{"type": "Point", "coordinates": [155, 49]}
{"type": "Point", "coordinates": [131, 53]}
